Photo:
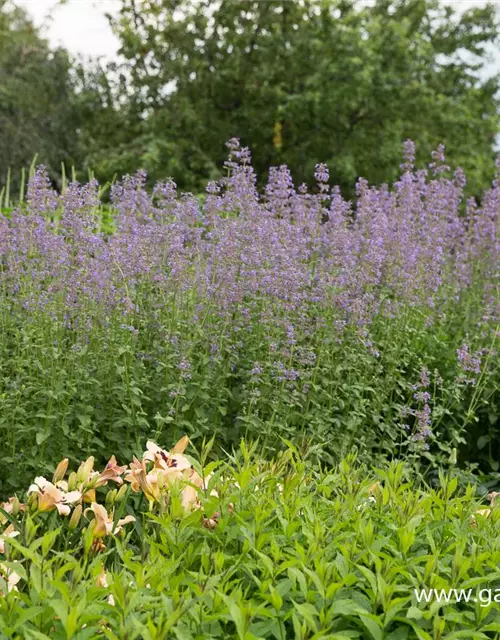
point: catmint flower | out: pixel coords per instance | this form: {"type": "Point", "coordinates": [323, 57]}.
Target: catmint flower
{"type": "Point", "coordinates": [422, 396]}
{"type": "Point", "coordinates": [469, 362]}
{"type": "Point", "coordinates": [409, 155]}
{"type": "Point", "coordinates": [424, 380]}
{"type": "Point", "coordinates": [423, 417]}
{"type": "Point", "coordinates": [438, 165]}
{"type": "Point", "coordinates": [184, 365]}
{"type": "Point", "coordinates": [257, 370]}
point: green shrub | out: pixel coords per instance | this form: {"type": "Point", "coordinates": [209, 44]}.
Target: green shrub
{"type": "Point", "coordinates": [296, 552]}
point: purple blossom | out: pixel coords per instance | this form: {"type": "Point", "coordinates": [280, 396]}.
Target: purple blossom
{"type": "Point", "coordinates": [184, 365]}
{"type": "Point", "coordinates": [422, 396]}
{"type": "Point", "coordinates": [278, 266]}
{"type": "Point", "coordinates": [423, 431]}
{"type": "Point", "coordinates": [257, 370]}
{"type": "Point", "coordinates": [470, 362]}
{"type": "Point", "coordinates": [409, 156]}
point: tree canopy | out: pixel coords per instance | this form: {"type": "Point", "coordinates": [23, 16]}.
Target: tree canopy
{"type": "Point", "coordinates": [36, 96]}
{"type": "Point", "coordinates": [337, 81]}
{"type": "Point", "coordinates": [300, 82]}
{"type": "Point", "coordinates": [59, 109]}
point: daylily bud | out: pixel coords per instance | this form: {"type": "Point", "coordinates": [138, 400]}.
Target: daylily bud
{"type": "Point", "coordinates": [72, 481]}
{"type": "Point", "coordinates": [180, 447]}
{"type": "Point", "coordinates": [102, 578]}
{"type": "Point", "coordinates": [85, 469]}
{"type": "Point", "coordinates": [92, 483]}
{"type": "Point", "coordinates": [60, 471]}
{"type": "Point", "coordinates": [75, 518]}
{"type": "Point", "coordinates": [33, 501]}
{"type": "Point", "coordinates": [374, 488]}
{"type": "Point", "coordinates": [121, 493]}
{"type": "Point", "coordinates": [16, 506]}
{"type": "Point", "coordinates": [110, 497]}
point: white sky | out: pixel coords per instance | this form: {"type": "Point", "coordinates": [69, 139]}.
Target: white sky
{"type": "Point", "coordinates": [81, 25]}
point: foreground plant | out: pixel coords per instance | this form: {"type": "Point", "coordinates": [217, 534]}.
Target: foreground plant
{"type": "Point", "coordinates": [155, 477]}
{"type": "Point", "coordinates": [304, 554]}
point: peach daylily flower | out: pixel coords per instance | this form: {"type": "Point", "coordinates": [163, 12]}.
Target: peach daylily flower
{"type": "Point", "coordinates": [102, 581]}
{"type": "Point", "coordinates": [190, 493]}
{"type": "Point", "coordinates": [170, 468]}
{"type": "Point", "coordinates": [89, 496]}
{"type": "Point", "coordinates": [372, 489]}
{"type": "Point", "coordinates": [10, 532]}
{"type": "Point", "coordinates": [170, 462]}
{"type": "Point", "coordinates": [151, 483]}
{"type": "Point", "coordinates": [133, 473]}
{"type": "Point", "coordinates": [112, 472]}
{"type": "Point", "coordinates": [103, 523]}
{"type": "Point", "coordinates": [211, 523]}
{"type": "Point", "coordinates": [12, 506]}
{"type": "Point", "coordinates": [50, 497]}
{"type": "Point", "coordinates": [10, 576]}
{"type": "Point", "coordinates": [102, 578]}
{"type": "Point", "coordinates": [485, 513]}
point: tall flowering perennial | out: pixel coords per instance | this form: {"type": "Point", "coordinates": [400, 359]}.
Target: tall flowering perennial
{"type": "Point", "coordinates": [176, 292]}
{"type": "Point", "coordinates": [287, 245]}
{"type": "Point", "coordinates": [470, 363]}
{"type": "Point", "coordinates": [422, 415]}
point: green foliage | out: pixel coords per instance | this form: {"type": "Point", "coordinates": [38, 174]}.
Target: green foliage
{"type": "Point", "coordinates": [51, 106]}
{"type": "Point", "coordinates": [70, 392]}
{"type": "Point", "coordinates": [36, 97]}
{"type": "Point", "coordinates": [337, 81]}
{"type": "Point", "coordinates": [301, 553]}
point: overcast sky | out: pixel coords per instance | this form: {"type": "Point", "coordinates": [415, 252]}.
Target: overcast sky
{"type": "Point", "coordinates": [81, 25]}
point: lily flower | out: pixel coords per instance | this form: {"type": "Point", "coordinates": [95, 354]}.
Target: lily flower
{"type": "Point", "coordinates": [10, 532]}
{"type": "Point", "coordinates": [60, 471]}
{"type": "Point", "coordinates": [50, 497]}
{"type": "Point", "coordinates": [10, 576]}
{"type": "Point", "coordinates": [13, 506]}
{"type": "Point", "coordinates": [132, 474]}
{"type": "Point", "coordinates": [85, 471]}
{"type": "Point", "coordinates": [194, 484]}
{"type": "Point", "coordinates": [485, 513]}
{"type": "Point", "coordinates": [102, 578]}
{"type": "Point", "coordinates": [103, 523]}
{"type": "Point", "coordinates": [167, 459]}
{"type": "Point", "coordinates": [112, 472]}
{"type": "Point", "coordinates": [152, 483]}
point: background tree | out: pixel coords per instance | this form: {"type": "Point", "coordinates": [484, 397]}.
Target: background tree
{"type": "Point", "coordinates": [36, 97]}
{"type": "Point", "coordinates": [307, 81]}
{"type": "Point", "coordinates": [52, 106]}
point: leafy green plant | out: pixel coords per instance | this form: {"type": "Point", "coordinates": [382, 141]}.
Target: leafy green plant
{"type": "Point", "coordinates": [296, 552]}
